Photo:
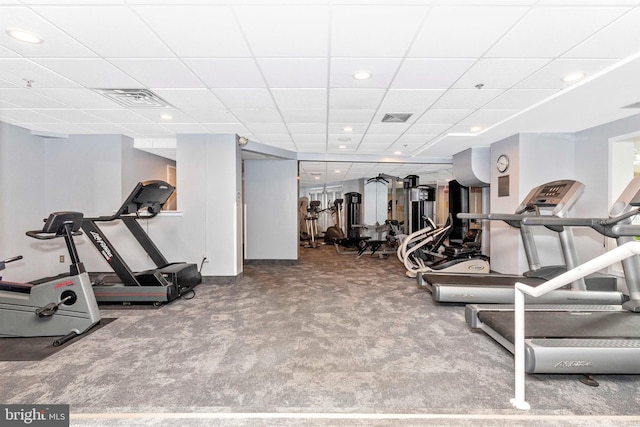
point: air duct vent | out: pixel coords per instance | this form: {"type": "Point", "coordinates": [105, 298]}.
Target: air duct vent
{"type": "Point", "coordinates": [634, 105]}
{"type": "Point", "coordinates": [396, 117]}
{"type": "Point", "coordinates": [135, 98]}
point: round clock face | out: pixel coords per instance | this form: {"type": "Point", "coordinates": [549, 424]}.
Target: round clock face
{"type": "Point", "coordinates": [503, 163]}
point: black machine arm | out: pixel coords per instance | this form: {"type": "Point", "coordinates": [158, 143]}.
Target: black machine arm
{"type": "Point", "coordinates": [8, 260]}
{"type": "Point", "coordinates": [63, 224]}
{"type": "Point", "coordinates": [146, 200]}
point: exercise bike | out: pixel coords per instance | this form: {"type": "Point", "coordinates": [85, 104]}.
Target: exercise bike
{"type": "Point", "coordinates": [63, 305]}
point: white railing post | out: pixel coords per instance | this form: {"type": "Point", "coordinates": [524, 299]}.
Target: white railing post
{"type": "Point", "coordinates": [603, 261]}
{"type": "Point", "coordinates": [519, 357]}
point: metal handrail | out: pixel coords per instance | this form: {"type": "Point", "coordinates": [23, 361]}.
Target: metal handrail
{"type": "Point", "coordinates": [603, 261]}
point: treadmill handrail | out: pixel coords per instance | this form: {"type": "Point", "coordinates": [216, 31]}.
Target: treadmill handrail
{"type": "Point", "coordinates": [605, 260]}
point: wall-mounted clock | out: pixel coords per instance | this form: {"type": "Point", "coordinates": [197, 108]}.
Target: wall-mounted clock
{"type": "Point", "coordinates": [502, 164]}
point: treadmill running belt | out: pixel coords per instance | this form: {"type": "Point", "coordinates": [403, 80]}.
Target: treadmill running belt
{"type": "Point", "coordinates": [560, 324]}
{"type": "Point", "coordinates": [480, 279]}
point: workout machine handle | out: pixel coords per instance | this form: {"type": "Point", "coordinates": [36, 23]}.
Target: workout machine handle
{"type": "Point", "coordinates": [41, 235]}
{"type": "Point", "coordinates": [8, 260]}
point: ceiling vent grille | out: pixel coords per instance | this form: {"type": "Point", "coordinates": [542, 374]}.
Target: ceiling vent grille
{"type": "Point", "coordinates": [396, 117]}
{"type": "Point", "coordinates": [135, 98]}
{"type": "Point", "coordinates": [634, 105]}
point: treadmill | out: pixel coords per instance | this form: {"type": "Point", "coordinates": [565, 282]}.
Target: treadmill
{"type": "Point", "coordinates": [556, 198]}
{"type": "Point", "coordinates": [597, 339]}
{"type": "Point", "coordinates": [162, 284]}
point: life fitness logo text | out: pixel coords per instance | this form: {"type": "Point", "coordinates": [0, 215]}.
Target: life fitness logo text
{"type": "Point", "coordinates": [476, 267]}
{"type": "Point", "coordinates": [106, 252]}
{"type": "Point", "coordinates": [35, 415]}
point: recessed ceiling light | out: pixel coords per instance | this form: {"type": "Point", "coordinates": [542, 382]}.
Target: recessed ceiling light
{"type": "Point", "coordinates": [166, 116]}
{"type": "Point", "coordinates": [317, 177]}
{"type": "Point", "coordinates": [573, 77]}
{"type": "Point", "coordinates": [397, 153]}
{"type": "Point", "coordinates": [362, 75]}
{"type": "Point", "coordinates": [24, 36]}
{"type": "Point", "coordinates": [475, 128]}
{"type": "Point", "coordinates": [348, 129]}
{"type": "Point", "coordinates": [337, 172]}
{"type": "Point", "coordinates": [344, 139]}
{"type": "Point", "coordinates": [342, 146]}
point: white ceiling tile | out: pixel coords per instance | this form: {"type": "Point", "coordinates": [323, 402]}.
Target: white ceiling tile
{"type": "Point", "coordinates": [427, 129]}
{"type": "Point", "coordinates": [213, 116]}
{"type": "Point", "coordinates": [63, 128]}
{"type": "Point", "coordinates": [550, 77]}
{"type": "Point", "coordinates": [387, 128]}
{"type": "Point", "coordinates": [307, 128]}
{"type": "Point", "coordinates": [486, 117]}
{"type": "Point", "coordinates": [246, 98]}
{"type": "Point", "coordinates": [118, 116]}
{"type": "Point", "coordinates": [186, 128]}
{"type": "Point", "coordinates": [26, 98]}
{"type": "Point", "coordinates": [79, 98]}
{"type": "Point", "coordinates": [466, 98]}
{"type": "Point", "coordinates": [150, 129]}
{"type": "Point", "coordinates": [618, 40]}
{"type": "Point", "coordinates": [190, 99]}
{"type": "Point", "coordinates": [378, 138]}
{"type": "Point", "coordinates": [341, 139]}
{"type": "Point", "coordinates": [374, 31]}
{"type": "Point", "coordinates": [517, 99]}
{"type": "Point", "coordinates": [291, 73]}
{"type": "Point", "coordinates": [155, 115]}
{"type": "Point", "coordinates": [430, 73]}
{"type": "Point", "coordinates": [69, 115]}
{"type": "Point", "coordinates": [463, 31]}
{"type": "Point", "coordinates": [249, 116]}
{"type": "Point", "coordinates": [305, 116]}
{"type": "Point", "coordinates": [25, 116]}
{"type": "Point", "coordinates": [19, 71]}
{"type": "Point", "coordinates": [6, 53]}
{"type": "Point", "coordinates": [90, 73]}
{"type": "Point", "coordinates": [105, 128]}
{"type": "Point", "coordinates": [196, 31]}
{"type": "Point", "coordinates": [274, 138]}
{"type": "Point", "coordinates": [310, 147]}
{"type": "Point", "coordinates": [158, 73]}
{"type": "Point", "coordinates": [443, 116]}
{"type": "Point", "coordinates": [496, 73]}
{"type": "Point", "coordinates": [285, 30]}
{"type": "Point", "coordinates": [382, 71]}
{"type": "Point", "coordinates": [289, 99]}
{"type": "Point", "coordinates": [543, 32]}
{"type": "Point", "coordinates": [56, 42]}
{"type": "Point", "coordinates": [267, 128]}
{"type": "Point", "coordinates": [227, 72]}
{"type": "Point", "coordinates": [132, 38]}
{"type": "Point", "coordinates": [350, 116]}
{"type": "Point", "coordinates": [308, 139]}
{"type": "Point", "coordinates": [355, 98]}
{"type": "Point", "coordinates": [355, 128]}
{"type": "Point", "coordinates": [410, 100]}
{"type": "Point", "coordinates": [413, 140]}
{"type": "Point", "coordinates": [236, 128]}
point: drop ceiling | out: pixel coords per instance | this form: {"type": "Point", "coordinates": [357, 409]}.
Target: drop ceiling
{"type": "Point", "coordinates": [469, 72]}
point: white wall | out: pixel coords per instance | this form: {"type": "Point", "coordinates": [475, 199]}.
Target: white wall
{"type": "Point", "coordinates": [22, 202]}
{"type": "Point", "coordinates": [534, 160]}
{"type": "Point", "coordinates": [271, 200]}
{"type": "Point", "coordinates": [210, 198]}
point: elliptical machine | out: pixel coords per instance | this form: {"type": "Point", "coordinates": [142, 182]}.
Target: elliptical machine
{"type": "Point", "coordinates": [61, 305]}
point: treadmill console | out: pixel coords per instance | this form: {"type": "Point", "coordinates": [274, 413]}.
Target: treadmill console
{"type": "Point", "coordinates": [559, 195]}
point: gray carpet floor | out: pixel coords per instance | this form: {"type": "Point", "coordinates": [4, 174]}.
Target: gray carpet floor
{"type": "Point", "coordinates": [332, 341]}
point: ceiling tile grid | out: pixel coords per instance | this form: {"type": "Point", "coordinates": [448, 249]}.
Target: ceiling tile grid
{"type": "Point", "coordinates": [282, 73]}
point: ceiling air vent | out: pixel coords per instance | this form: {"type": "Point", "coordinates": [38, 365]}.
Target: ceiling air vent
{"type": "Point", "coordinates": [634, 105]}
{"type": "Point", "coordinates": [135, 98]}
{"type": "Point", "coordinates": [396, 117]}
